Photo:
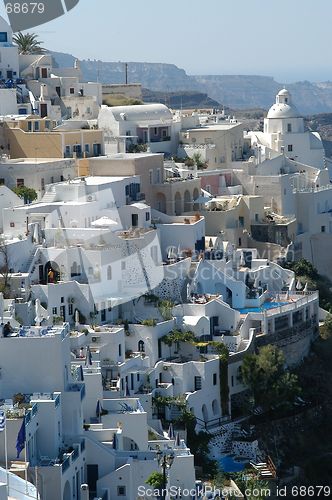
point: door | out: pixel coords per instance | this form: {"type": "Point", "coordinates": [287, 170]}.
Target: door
{"type": "Point", "coordinates": [92, 477]}
{"type": "Point", "coordinates": [63, 312]}
{"type": "Point", "coordinates": [134, 220]}
{"type": "Point", "coordinates": [41, 274]}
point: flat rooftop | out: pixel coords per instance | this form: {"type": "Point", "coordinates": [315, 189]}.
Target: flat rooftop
{"type": "Point", "coordinates": [125, 156]}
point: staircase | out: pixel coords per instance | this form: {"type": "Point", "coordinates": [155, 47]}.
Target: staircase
{"type": "Point", "coordinates": [27, 267]}
{"type": "Point", "coordinates": [49, 197]}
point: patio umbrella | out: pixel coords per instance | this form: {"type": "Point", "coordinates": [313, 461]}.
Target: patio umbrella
{"type": "Point", "coordinates": [127, 392]}
{"type": "Point", "coordinates": [77, 318]}
{"type": "Point", "coordinates": [170, 431]}
{"type": "Point", "coordinates": [177, 440]}
{"type": "Point", "coordinates": [88, 357]}
{"type": "Point", "coordinates": [202, 200]}
{"type": "Point", "coordinates": [39, 314]}
{"type": "Point", "coordinates": [305, 289]}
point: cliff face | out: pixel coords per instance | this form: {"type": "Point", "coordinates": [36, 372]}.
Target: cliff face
{"type": "Point", "coordinates": [235, 91]}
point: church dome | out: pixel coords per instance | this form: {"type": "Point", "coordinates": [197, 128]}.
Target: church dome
{"type": "Point", "coordinates": [283, 107]}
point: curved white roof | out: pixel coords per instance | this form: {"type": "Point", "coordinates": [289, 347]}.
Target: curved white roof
{"type": "Point", "coordinates": [141, 112]}
{"type": "Point", "coordinates": [283, 107]}
{"type": "Point", "coordinates": [282, 110]}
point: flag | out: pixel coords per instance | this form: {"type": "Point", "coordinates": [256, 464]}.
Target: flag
{"type": "Point", "coordinates": [20, 442]}
{"type": "Point", "coordinates": [2, 421]}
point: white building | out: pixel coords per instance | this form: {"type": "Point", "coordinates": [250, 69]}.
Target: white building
{"type": "Point", "coordinates": [284, 132]}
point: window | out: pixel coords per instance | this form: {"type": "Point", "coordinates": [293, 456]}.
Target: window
{"type": "Point", "coordinates": [289, 127]}
{"type": "Point", "coordinates": [52, 180]}
{"type": "Point", "coordinates": [2, 181]}
{"type": "Point", "coordinates": [72, 90]}
{"type": "Point", "coordinates": [322, 229]}
{"type": "Point", "coordinates": [54, 310]}
{"type": "Point", "coordinates": [42, 184]}
{"type": "Point", "coordinates": [232, 381]}
{"type": "Point", "coordinates": [121, 491]}
{"type": "Point", "coordinates": [240, 242]}
{"type": "Point", "coordinates": [155, 131]}
{"type": "Point", "coordinates": [3, 36]}
{"type": "Point", "coordinates": [87, 148]}
{"type": "Point", "coordinates": [67, 151]}
{"type": "Point", "coordinates": [20, 183]}
{"type": "Point", "coordinates": [151, 176]}
{"type": "Point", "coordinates": [29, 126]}
{"type": "Point", "coordinates": [47, 125]}
{"type": "Point", "coordinates": [158, 176]}
{"type": "Point", "coordinates": [62, 300]}
{"type": "Point", "coordinates": [290, 148]}
{"type": "Point", "coordinates": [198, 383]}
{"type": "Point", "coordinates": [214, 379]}
{"type": "Point", "coordinates": [147, 216]}
{"type": "Point", "coordinates": [120, 350]}
{"type": "Point", "coordinates": [36, 126]}
{"type": "Point", "coordinates": [70, 309]}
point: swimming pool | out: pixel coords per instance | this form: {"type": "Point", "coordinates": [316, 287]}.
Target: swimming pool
{"type": "Point", "coordinates": [266, 305]}
{"type": "Point", "coordinates": [228, 464]}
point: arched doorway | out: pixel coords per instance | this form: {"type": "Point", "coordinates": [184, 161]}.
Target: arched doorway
{"type": "Point", "coordinates": [205, 413]}
{"type": "Point", "coordinates": [187, 201]}
{"type": "Point", "coordinates": [178, 204]}
{"type": "Point", "coordinates": [141, 346]}
{"type": "Point", "coordinates": [195, 196]}
{"type": "Point", "coordinates": [52, 272]}
{"type": "Point", "coordinates": [161, 202]}
{"type": "Point", "coordinates": [67, 492]}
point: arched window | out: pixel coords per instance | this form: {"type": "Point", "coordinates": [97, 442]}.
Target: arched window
{"type": "Point", "coordinates": [141, 346]}
{"type": "Point", "coordinates": [109, 272]}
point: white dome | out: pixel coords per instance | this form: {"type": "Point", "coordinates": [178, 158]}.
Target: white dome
{"type": "Point", "coordinates": [283, 92]}
{"type": "Point", "coordinates": [281, 110]}
{"type": "Point", "coordinates": [283, 107]}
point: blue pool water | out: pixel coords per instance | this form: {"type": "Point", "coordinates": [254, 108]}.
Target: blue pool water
{"type": "Point", "coordinates": [228, 464]}
{"type": "Point", "coordinates": [266, 305]}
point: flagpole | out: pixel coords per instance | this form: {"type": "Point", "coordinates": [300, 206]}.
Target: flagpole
{"type": "Point", "coordinates": [6, 458]}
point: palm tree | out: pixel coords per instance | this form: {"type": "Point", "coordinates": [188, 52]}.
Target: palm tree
{"type": "Point", "coordinates": [28, 43]}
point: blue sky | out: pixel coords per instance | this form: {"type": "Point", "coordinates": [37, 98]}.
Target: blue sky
{"type": "Point", "coordinates": [287, 39]}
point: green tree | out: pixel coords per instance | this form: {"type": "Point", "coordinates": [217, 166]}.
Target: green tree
{"type": "Point", "coordinates": [266, 378]}
{"type": "Point", "coordinates": [155, 480]}
{"type": "Point", "coordinates": [28, 43]}
{"type": "Point", "coordinates": [27, 194]}
{"type": "Point", "coordinates": [326, 329]}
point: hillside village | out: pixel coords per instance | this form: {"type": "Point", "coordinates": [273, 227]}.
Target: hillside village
{"type": "Point", "coordinates": [150, 271]}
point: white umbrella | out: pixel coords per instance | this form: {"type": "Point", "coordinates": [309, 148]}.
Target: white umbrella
{"type": "Point", "coordinates": [36, 233]}
{"type": "Point", "coordinates": [203, 199]}
{"type": "Point", "coordinates": [305, 289]}
{"type": "Point", "coordinates": [77, 318]}
{"type": "Point", "coordinates": [41, 313]}
{"type": "Point", "coordinates": [104, 222]}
